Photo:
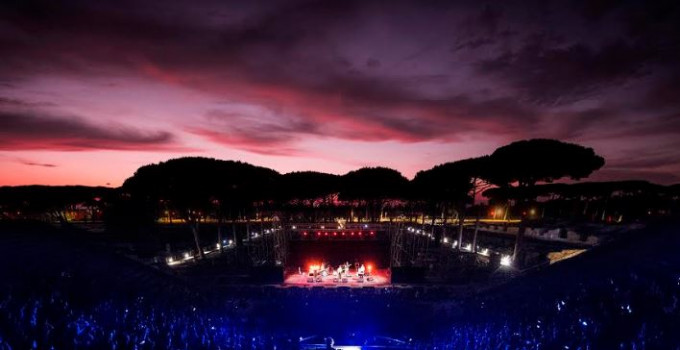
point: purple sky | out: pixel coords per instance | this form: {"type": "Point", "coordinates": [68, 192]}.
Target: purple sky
{"type": "Point", "coordinates": [91, 90]}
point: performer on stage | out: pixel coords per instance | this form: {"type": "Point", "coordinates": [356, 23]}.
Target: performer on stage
{"type": "Point", "coordinates": [361, 270]}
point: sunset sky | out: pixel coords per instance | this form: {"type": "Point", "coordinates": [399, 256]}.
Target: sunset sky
{"type": "Point", "coordinates": [92, 90]}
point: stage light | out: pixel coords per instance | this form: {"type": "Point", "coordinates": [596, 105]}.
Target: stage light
{"type": "Point", "coordinates": [304, 233]}
{"type": "Point", "coordinates": [325, 233]}
{"type": "Point", "coordinates": [335, 233]}
{"type": "Point", "coordinates": [365, 226]}
{"type": "Point", "coordinates": [186, 255]}
{"type": "Point", "coordinates": [446, 240]}
{"type": "Point", "coordinates": [294, 228]}
{"type": "Point", "coordinates": [454, 244]}
{"type": "Point", "coordinates": [372, 233]}
{"type": "Point", "coordinates": [484, 252]}
{"type": "Point", "coordinates": [217, 246]}
{"type": "Point", "coordinates": [231, 242]}
{"type": "Point", "coordinates": [468, 247]}
{"type": "Point", "coordinates": [369, 268]}
{"type": "Point", "coordinates": [343, 233]}
{"type": "Point", "coordinates": [352, 233]}
{"type": "Point", "coordinates": [505, 260]}
{"type": "Point", "coordinates": [359, 233]}
{"type": "Point", "coordinates": [318, 233]}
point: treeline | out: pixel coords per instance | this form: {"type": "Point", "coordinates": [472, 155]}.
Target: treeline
{"type": "Point", "coordinates": [518, 178]}
{"type": "Point", "coordinates": [515, 177]}
{"type": "Point", "coordinates": [55, 203]}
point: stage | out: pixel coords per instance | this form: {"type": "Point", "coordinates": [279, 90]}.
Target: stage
{"type": "Point", "coordinates": [378, 278]}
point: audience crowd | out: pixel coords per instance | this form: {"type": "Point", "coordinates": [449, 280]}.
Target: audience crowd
{"type": "Point", "coordinates": [629, 312]}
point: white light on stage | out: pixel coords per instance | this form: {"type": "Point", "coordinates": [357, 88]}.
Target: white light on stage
{"type": "Point", "coordinates": [186, 256]}
{"type": "Point", "coordinates": [294, 228]}
{"type": "Point", "coordinates": [231, 242]}
{"type": "Point", "coordinates": [217, 246]}
{"type": "Point", "coordinates": [468, 247]}
{"type": "Point", "coordinates": [454, 244]}
{"type": "Point", "coordinates": [446, 240]}
{"type": "Point", "coordinates": [505, 260]}
{"type": "Point", "coordinates": [484, 252]}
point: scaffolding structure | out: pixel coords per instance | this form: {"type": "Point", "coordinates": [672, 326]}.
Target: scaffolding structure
{"type": "Point", "coordinates": [268, 244]}
{"type": "Point", "coordinates": [409, 248]}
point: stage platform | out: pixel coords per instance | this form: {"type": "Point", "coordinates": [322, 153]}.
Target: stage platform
{"type": "Point", "coordinates": [379, 278]}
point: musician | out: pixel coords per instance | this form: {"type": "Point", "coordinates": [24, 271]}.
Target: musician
{"type": "Point", "coordinates": [361, 270]}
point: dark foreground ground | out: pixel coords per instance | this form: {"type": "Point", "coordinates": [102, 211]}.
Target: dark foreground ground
{"type": "Point", "coordinates": [59, 291]}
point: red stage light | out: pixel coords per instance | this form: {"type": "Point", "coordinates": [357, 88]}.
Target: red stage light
{"type": "Point", "coordinates": [372, 233]}
{"type": "Point", "coordinates": [343, 233]}
{"type": "Point", "coordinates": [335, 233]}
{"type": "Point", "coordinates": [318, 233]}
{"type": "Point", "coordinates": [325, 233]}
{"type": "Point", "coordinates": [359, 233]}
{"type": "Point", "coordinates": [352, 233]}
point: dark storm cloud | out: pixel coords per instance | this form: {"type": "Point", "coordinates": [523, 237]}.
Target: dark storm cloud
{"type": "Point", "coordinates": [369, 117]}
{"type": "Point", "coordinates": [261, 137]}
{"type": "Point", "coordinates": [29, 131]}
{"type": "Point", "coordinates": [556, 76]}
{"type": "Point", "coordinates": [366, 70]}
{"type": "Point", "coordinates": [574, 125]}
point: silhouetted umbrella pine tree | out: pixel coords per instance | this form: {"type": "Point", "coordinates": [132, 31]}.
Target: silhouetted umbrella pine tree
{"type": "Point", "coordinates": [524, 163]}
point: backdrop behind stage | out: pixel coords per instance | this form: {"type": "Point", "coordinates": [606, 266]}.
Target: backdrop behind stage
{"type": "Point", "coordinates": [302, 253]}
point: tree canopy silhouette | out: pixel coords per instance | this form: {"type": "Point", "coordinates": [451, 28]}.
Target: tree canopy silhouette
{"type": "Point", "coordinates": [452, 184]}
{"type": "Point", "coordinates": [373, 185]}
{"type": "Point", "coordinates": [193, 185]}
{"type": "Point", "coordinates": [308, 185]}
{"type": "Point", "coordinates": [539, 160]}
{"type": "Point", "coordinates": [542, 160]}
